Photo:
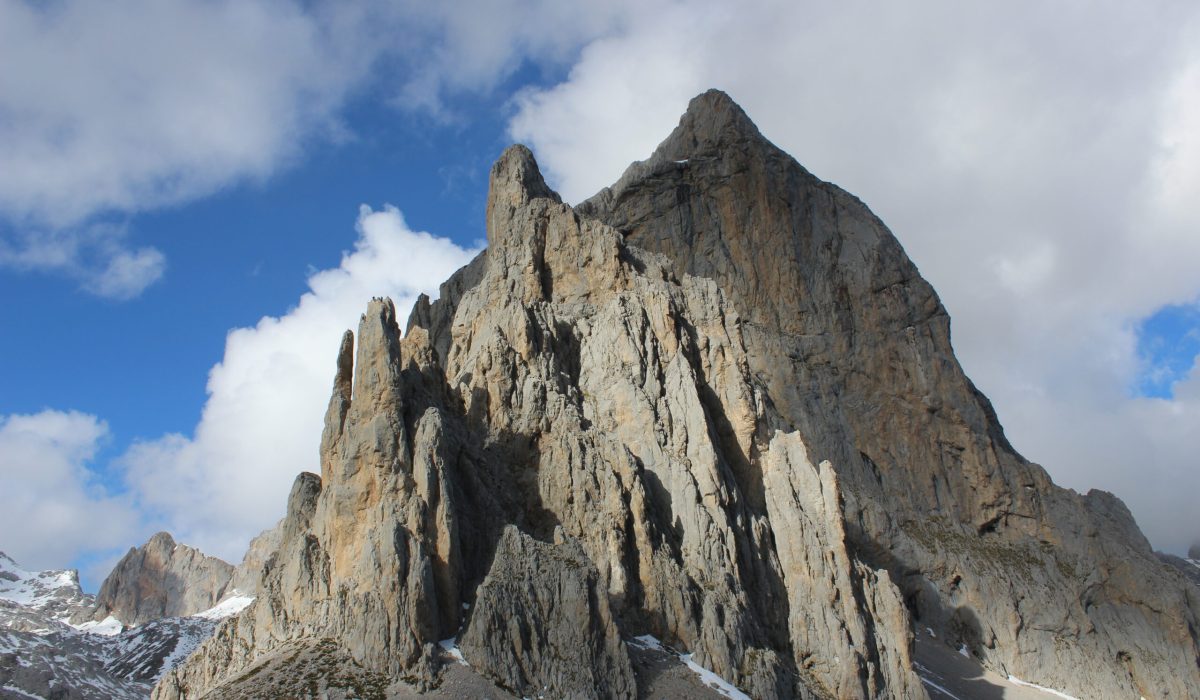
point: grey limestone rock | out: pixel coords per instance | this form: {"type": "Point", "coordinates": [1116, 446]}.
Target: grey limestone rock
{"type": "Point", "coordinates": [162, 579]}
{"type": "Point", "coordinates": [541, 623]}
{"type": "Point", "coordinates": [852, 347]}
{"type": "Point", "coordinates": [247, 575]}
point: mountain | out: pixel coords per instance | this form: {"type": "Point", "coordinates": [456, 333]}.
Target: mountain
{"type": "Point", "coordinates": [711, 413]}
{"type": "Point", "coordinates": [58, 642]}
{"type": "Point", "coordinates": [162, 579]}
{"type": "Point", "coordinates": [28, 599]}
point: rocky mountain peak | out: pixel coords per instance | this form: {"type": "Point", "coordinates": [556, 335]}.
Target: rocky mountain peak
{"type": "Point", "coordinates": [162, 578]}
{"type": "Point", "coordinates": [717, 407]}
{"type": "Point", "coordinates": [712, 124]}
{"type": "Point", "coordinates": [160, 542]}
{"type": "Point", "coordinates": [54, 595]}
{"type": "Point", "coordinates": [514, 181]}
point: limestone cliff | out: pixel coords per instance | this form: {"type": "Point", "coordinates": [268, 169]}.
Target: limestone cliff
{"type": "Point", "coordinates": [161, 579]}
{"type": "Point", "coordinates": [715, 404]}
{"type": "Point", "coordinates": [247, 574]}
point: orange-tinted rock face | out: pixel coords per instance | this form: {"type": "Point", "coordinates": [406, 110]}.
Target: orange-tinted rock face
{"type": "Point", "coordinates": [162, 579]}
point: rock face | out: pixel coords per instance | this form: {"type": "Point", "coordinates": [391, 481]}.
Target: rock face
{"type": "Point", "coordinates": [717, 405]}
{"type": "Point", "coordinates": [542, 621]}
{"type": "Point", "coordinates": [162, 579]}
{"type": "Point", "coordinates": [247, 575]}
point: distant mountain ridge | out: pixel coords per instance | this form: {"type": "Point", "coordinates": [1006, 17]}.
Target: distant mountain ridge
{"type": "Point", "coordinates": [58, 642]}
{"type": "Point", "coordinates": [162, 579]}
{"type": "Point", "coordinates": [28, 598]}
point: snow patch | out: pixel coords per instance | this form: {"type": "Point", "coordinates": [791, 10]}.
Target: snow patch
{"type": "Point", "coordinates": [1017, 681]}
{"type": "Point", "coordinates": [188, 641]}
{"type": "Point", "coordinates": [647, 642]}
{"type": "Point", "coordinates": [450, 646]}
{"type": "Point", "coordinates": [707, 677]}
{"type": "Point", "coordinates": [109, 626]}
{"type": "Point", "coordinates": [229, 607]}
{"type": "Point", "coordinates": [18, 691]}
{"type": "Point", "coordinates": [964, 651]}
{"type": "Point", "coordinates": [714, 681]}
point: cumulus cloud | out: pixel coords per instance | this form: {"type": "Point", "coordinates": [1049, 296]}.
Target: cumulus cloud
{"type": "Point", "coordinates": [127, 273]}
{"type": "Point", "coordinates": [109, 109]}
{"type": "Point", "coordinates": [262, 422]}
{"type": "Point", "coordinates": [51, 507]}
{"type": "Point", "coordinates": [1038, 162]}
{"type": "Point", "coordinates": [135, 104]}
{"type": "Point", "coordinates": [473, 46]}
{"type": "Point", "coordinates": [97, 256]}
{"type": "Point", "coordinates": [114, 108]}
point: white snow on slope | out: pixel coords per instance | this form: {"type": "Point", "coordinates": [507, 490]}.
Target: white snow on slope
{"type": "Point", "coordinates": [707, 677]}
{"type": "Point", "coordinates": [189, 640]}
{"type": "Point", "coordinates": [18, 691]}
{"type": "Point", "coordinates": [1017, 681]}
{"type": "Point", "coordinates": [228, 607]}
{"type": "Point", "coordinates": [36, 589]}
{"type": "Point", "coordinates": [108, 627]}
{"type": "Point", "coordinates": [450, 646]}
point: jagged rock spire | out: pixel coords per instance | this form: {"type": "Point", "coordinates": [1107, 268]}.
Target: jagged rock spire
{"type": "Point", "coordinates": [712, 120]}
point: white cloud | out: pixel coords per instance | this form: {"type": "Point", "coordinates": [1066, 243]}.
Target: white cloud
{"type": "Point", "coordinates": [97, 256]}
{"type": "Point", "coordinates": [128, 272]}
{"type": "Point", "coordinates": [51, 508]}
{"type": "Point", "coordinates": [109, 109]}
{"type": "Point", "coordinates": [472, 46]}
{"type": "Point", "coordinates": [1037, 161]}
{"type": "Point", "coordinates": [137, 104]}
{"type": "Point", "coordinates": [262, 422]}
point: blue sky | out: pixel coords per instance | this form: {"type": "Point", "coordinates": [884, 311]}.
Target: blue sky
{"type": "Point", "coordinates": [161, 189]}
{"type": "Point", "coordinates": [1168, 343]}
{"type": "Point", "coordinates": [233, 257]}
